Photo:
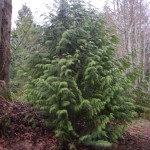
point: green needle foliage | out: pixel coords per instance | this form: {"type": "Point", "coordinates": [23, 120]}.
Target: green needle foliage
{"type": "Point", "coordinates": [25, 38]}
{"type": "Point", "coordinates": [79, 82]}
{"type": "Point", "coordinates": [142, 97]}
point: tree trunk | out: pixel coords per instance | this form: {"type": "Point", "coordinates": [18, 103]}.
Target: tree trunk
{"type": "Point", "coordinates": [5, 32]}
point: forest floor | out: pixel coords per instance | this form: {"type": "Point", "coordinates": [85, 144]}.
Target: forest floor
{"type": "Point", "coordinates": [22, 128]}
{"type": "Point", "coordinates": [137, 136]}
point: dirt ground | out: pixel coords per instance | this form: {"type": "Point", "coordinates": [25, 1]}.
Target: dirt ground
{"type": "Point", "coordinates": [137, 137]}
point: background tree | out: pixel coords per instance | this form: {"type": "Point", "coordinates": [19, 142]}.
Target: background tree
{"type": "Point", "coordinates": [23, 46]}
{"type": "Point", "coordinates": [131, 20]}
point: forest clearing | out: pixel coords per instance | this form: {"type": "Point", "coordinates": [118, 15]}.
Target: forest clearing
{"type": "Point", "coordinates": [80, 80]}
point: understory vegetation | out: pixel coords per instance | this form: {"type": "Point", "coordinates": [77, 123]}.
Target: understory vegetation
{"type": "Point", "coordinates": [68, 69]}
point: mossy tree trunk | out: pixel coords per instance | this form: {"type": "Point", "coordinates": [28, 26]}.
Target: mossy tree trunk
{"type": "Point", "coordinates": [5, 32]}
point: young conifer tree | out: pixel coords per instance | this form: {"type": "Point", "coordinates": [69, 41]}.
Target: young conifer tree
{"type": "Point", "coordinates": [82, 86]}
{"type": "Point", "coordinates": [25, 38]}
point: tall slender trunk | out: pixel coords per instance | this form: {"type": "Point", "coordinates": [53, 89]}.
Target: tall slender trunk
{"type": "Point", "coordinates": [5, 32]}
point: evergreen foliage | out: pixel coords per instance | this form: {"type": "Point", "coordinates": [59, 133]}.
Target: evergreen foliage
{"type": "Point", "coordinates": [25, 38]}
{"type": "Point", "coordinates": [142, 97]}
{"type": "Point", "coordinates": [79, 82]}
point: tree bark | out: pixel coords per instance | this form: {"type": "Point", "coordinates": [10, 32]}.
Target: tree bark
{"type": "Point", "coordinates": [5, 32]}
